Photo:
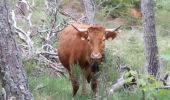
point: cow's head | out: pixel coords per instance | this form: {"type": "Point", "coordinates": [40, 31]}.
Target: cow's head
{"type": "Point", "coordinates": [96, 36]}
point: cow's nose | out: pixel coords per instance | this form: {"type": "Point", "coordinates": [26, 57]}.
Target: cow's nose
{"type": "Point", "coordinates": [96, 55]}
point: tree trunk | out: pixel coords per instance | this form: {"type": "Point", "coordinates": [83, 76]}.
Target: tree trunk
{"type": "Point", "coordinates": [51, 6]}
{"type": "Point", "coordinates": [12, 74]}
{"type": "Point", "coordinates": [151, 49]}
{"type": "Point", "coordinates": [90, 11]}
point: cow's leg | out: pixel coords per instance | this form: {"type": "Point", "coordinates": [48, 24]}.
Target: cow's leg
{"type": "Point", "coordinates": [94, 82]}
{"type": "Point", "coordinates": [74, 76]}
{"type": "Point", "coordinates": [75, 84]}
{"type": "Point", "coordinates": [87, 74]}
{"type": "Point", "coordinates": [84, 92]}
{"type": "Point", "coordinates": [94, 85]}
{"type": "Point", "coordinates": [86, 78]}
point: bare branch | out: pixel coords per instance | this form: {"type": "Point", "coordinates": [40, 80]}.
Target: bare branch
{"type": "Point", "coordinates": [55, 66]}
{"type": "Point", "coordinates": [117, 85]}
{"type": "Point", "coordinates": [53, 25]}
{"type": "Point", "coordinates": [45, 54]}
{"type": "Point", "coordinates": [164, 87]}
{"type": "Point", "coordinates": [66, 14]}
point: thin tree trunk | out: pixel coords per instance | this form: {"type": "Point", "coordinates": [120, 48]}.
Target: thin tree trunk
{"type": "Point", "coordinates": [13, 76]}
{"type": "Point", "coordinates": [90, 11]}
{"type": "Point", "coordinates": [151, 49]}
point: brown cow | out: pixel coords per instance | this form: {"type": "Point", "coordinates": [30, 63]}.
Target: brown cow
{"type": "Point", "coordinates": [83, 44]}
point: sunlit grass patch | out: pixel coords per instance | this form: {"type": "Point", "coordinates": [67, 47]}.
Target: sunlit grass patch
{"type": "Point", "coordinates": [53, 88]}
{"type": "Point", "coordinates": [44, 87]}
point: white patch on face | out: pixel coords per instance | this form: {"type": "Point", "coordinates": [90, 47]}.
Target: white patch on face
{"type": "Point", "coordinates": [88, 38]}
{"type": "Point", "coordinates": [82, 38]}
{"type": "Point", "coordinates": [104, 38]}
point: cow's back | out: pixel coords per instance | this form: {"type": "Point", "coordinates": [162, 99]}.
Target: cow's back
{"type": "Point", "coordinates": [71, 48]}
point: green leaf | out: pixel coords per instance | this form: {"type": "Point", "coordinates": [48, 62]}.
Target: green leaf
{"type": "Point", "coordinates": [129, 80]}
{"type": "Point", "coordinates": [141, 82]}
{"type": "Point", "coordinates": [133, 73]}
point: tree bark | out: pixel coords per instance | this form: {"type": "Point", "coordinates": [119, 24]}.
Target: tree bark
{"type": "Point", "coordinates": [150, 42]}
{"type": "Point", "coordinates": [51, 6]}
{"type": "Point", "coordinates": [89, 11]}
{"type": "Point", "coordinates": [14, 80]}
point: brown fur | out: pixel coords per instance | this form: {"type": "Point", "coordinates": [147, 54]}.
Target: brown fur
{"type": "Point", "coordinates": [72, 50]}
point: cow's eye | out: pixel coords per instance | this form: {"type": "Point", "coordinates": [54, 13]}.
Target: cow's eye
{"type": "Point", "coordinates": [89, 41]}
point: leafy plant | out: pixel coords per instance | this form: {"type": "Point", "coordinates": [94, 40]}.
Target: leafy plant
{"type": "Point", "coordinates": [165, 54]}
{"type": "Point", "coordinates": [29, 66]}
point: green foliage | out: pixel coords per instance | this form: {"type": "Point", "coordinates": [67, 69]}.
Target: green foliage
{"type": "Point", "coordinates": [109, 67]}
{"type": "Point", "coordinates": [129, 47]}
{"type": "Point", "coordinates": [152, 88]}
{"type": "Point", "coordinates": [38, 4]}
{"type": "Point", "coordinates": [162, 21]}
{"type": "Point", "coordinates": [163, 94]}
{"type": "Point", "coordinates": [29, 66]}
{"type": "Point", "coordinates": [50, 88]}
{"type": "Point", "coordinates": [76, 71]}
{"type": "Point", "coordinates": [147, 83]}
{"type": "Point", "coordinates": [45, 87]}
{"type": "Point", "coordinates": [162, 4]}
{"type": "Point", "coordinates": [118, 8]}
{"type": "Point", "coordinates": [38, 17]}
{"type": "Point", "coordinates": [129, 76]}
{"type": "Point", "coordinates": [121, 95]}
{"type": "Point", "coordinates": [165, 54]}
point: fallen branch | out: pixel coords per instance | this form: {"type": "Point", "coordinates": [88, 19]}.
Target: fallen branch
{"type": "Point", "coordinates": [117, 86]}
{"type": "Point", "coordinates": [48, 53]}
{"type": "Point", "coordinates": [164, 87]}
{"type": "Point", "coordinates": [56, 66]}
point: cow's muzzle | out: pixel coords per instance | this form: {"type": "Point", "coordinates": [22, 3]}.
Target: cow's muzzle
{"type": "Point", "coordinates": [96, 56]}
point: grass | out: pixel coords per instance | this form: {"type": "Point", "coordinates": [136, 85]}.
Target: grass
{"type": "Point", "coordinates": [52, 88]}
{"type": "Point", "coordinates": [49, 88]}
{"type": "Point", "coordinates": [129, 47]}
{"type": "Point", "coordinates": [121, 95]}
{"type": "Point", "coordinates": [29, 66]}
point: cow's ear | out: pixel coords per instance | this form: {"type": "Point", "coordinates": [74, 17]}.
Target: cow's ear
{"type": "Point", "coordinates": [83, 35]}
{"type": "Point", "coordinates": [110, 35]}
